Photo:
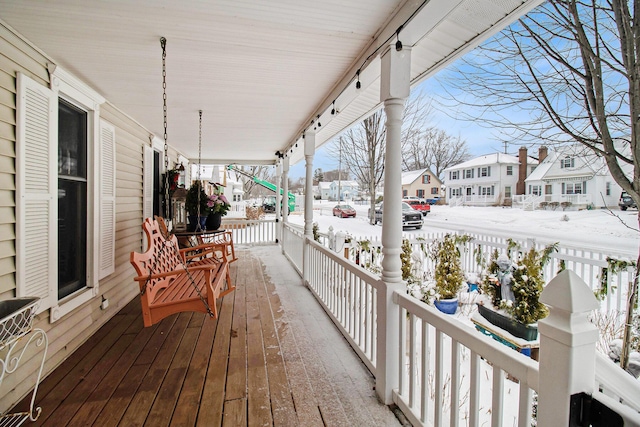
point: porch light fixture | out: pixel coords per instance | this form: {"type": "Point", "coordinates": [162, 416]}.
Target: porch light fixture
{"type": "Point", "coordinates": [358, 85]}
{"type": "Point", "coordinates": [398, 43]}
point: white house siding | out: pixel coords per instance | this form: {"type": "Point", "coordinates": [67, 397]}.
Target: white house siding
{"type": "Point", "coordinates": [68, 333]}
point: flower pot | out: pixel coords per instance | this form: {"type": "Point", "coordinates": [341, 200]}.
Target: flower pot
{"type": "Point", "coordinates": [515, 328]}
{"type": "Point", "coordinates": [447, 306]}
{"type": "Point", "coordinates": [214, 220]}
{"type": "Point", "coordinates": [193, 223]}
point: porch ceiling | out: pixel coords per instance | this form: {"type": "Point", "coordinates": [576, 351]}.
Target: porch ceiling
{"type": "Point", "coordinates": [259, 71]}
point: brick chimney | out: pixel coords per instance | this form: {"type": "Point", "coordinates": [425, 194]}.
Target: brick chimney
{"type": "Point", "coordinates": [542, 153]}
{"type": "Point", "coordinates": [522, 170]}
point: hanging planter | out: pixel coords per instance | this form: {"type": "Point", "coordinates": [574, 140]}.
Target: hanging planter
{"type": "Point", "coordinates": [214, 221]}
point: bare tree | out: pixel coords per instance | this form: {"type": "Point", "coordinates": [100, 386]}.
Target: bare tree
{"type": "Point", "coordinates": [362, 148]}
{"type": "Point", "coordinates": [433, 148]}
{"type": "Point", "coordinates": [252, 188]}
{"type": "Point", "coordinates": [572, 69]}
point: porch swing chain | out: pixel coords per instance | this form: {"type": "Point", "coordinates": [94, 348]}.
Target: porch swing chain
{"type": "Point", "coordinates": [163, 44]}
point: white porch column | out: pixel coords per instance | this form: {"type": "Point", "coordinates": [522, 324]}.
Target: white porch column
{"type": "Point", "coordinates": [394, 89]}
{"type": "Point", "coordinates": [309, 151]}
{"type": "Point", "coordinates": [567, 347]}
{"type": "Point", "coordinates": [278, 199]}
{"type": "Point", "coordinates": [285, 187]}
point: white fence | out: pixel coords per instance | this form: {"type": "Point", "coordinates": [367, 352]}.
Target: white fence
{"type": "Point", "coordinates": [252, 232]}
{"type": "Point", "coordinates": [586, 263]}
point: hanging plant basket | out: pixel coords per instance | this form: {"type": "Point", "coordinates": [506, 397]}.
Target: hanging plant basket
{"type": "Point", "coordinates": [515, 328]}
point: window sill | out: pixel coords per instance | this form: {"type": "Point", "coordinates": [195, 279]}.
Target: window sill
{"type": "Point", "coordinates": [70, 303]}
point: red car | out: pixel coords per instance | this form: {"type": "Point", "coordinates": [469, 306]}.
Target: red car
{"type": "Point", "coordinates": [344, 211]}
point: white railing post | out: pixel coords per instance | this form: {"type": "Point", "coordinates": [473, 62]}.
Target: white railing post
{"type": "Point", "coordinates": [394, 90]}
{"type": "Point", "coordinates": [309, 151]}
{"type": "Point", "coordinates": [567, 347]}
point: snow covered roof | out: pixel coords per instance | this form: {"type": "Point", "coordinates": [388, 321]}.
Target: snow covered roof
{"type": "Point", "coordinates": [543, 168]}
{"type": "Point", "coordinates": [324, 185]}
{"type": "Point", "coordinates": [492, 159]}
{"type": "Point", "coordinates": [410, 176]}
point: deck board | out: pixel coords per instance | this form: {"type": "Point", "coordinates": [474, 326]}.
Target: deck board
{"type": "Point", "coordinates": [271, 358]}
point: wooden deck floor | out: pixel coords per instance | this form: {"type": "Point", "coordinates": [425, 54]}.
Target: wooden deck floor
{"type": "Point", "coordinates": [272, 358]}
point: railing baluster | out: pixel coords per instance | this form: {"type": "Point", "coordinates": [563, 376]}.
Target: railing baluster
{"type": "Point", "coordinates": [474, 390]}
{"type": "Point", "coordinates": [455, 380]}
{"type": "Point", "coordinates": [497, 393]}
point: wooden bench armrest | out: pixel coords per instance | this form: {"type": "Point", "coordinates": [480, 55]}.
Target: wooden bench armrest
{"type": "Point", "coordinates": [203, 249]}
{"type": "Point", "coordinates": [174, 272]}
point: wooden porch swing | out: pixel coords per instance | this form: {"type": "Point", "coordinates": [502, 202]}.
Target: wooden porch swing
{"type": "Point", "coordinates": [174, 280]}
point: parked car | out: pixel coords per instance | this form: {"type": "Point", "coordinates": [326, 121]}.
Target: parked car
{"type": "Point", "coordinates": [419, 205]}
{"type": "Point", "coordinates": [626, 202]}
{"type": "Point", "coordinates": [410, 216]}
{"type": "Point", "coordinates": [344, 211]}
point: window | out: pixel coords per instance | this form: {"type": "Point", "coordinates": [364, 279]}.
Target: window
{"type": "Point", "coordinates": [484, 171]}
{"type": "Point", "coordinates": [434, 190]}
{"type": "Point", "coordinates": [420, 193]}
{"type": "Point", "coordinates": [455, 192]}
{"type": "Point", "coordinates": [454, 175]}
{"type": "Point", "coordinates": [72, 199]}
{"type": "Point", "coordinates": [468, 173]}
{"type": "Point", "coordinates": [548, 189]}
{"type": "Point", "coordinates": [608, 188]}
{"type": "Point", "coordinates": [536, 190]}
{"type": "Point", "coordinates": [426, 179]}
{"type": "Point", "coordinates": [65, 179]}
{"type": "Point", "coordinates": [404, 193]}
{"type": "Point", "coordinates": [567, 162]}
{"type": "Point", "coordinates": [573, 188]}
{"type": "Point", "coordinates": [509, 170]}
{"type": "Point", "coordinates": [486, 191]}
{"type": "Point", "coordinates": [507, 191]}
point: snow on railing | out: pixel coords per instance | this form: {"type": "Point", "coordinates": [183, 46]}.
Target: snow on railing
{"type": "Point", "coordinates": [349, 296]}
{"type": "Point", "coordinates": [619, 385]}
{"type": "Point", "coordinates": [450, 374]}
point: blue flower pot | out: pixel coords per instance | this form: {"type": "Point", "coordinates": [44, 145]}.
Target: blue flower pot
{"type": "Point", "coordinates": [447, 306]}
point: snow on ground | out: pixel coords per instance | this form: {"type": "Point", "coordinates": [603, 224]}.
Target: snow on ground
{"type": "Point", "coordinates": [616, 232]}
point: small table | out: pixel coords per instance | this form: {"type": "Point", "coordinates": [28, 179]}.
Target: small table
{"type": "Point", "coordinates": [189, 239]}
{"type": "Point", "coordinates": [528, 348]}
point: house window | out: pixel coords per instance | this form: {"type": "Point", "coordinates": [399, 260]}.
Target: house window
{"type": "Point", "coordinates": [454, 175]}
{"type": "Point", "coordinates": [484, 171]}
{"type": "Point", "coordinates": [72, 199]}
{"type": "Point", "coordinates": [608, 188]}
{"type": "Point", "coordinates": [507, 191]}
{"type": "Point", "coordinates": [536, 190]}
{"type": "Point", "coordinates": [420, 193]}
{"type": "Point", "coordinates": [468, 173]}
{"type": "Point", "coordinates": [548, 189]}
{"type": "Point", "coordinates": [567, 162]}
{"type": "Point", "coordinates": [455, 192]}
{"type": "Point", "coordinates": [434, 190]}
{"type": "Point", "coordinates": [573, 188]}
{"type": "Point", "coordinates": [486, 191]}
{"type": "Point", "coordinates": [404, 193]}
{"type": "Point", "coordinates": [509, 170]}
{"type": "Point", "coordinates": [426, 179]}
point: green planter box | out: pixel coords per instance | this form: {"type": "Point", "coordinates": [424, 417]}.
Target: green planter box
{"type": "Point", "coordinates": [515, 328]}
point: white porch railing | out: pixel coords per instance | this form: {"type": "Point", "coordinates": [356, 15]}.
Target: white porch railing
{"type": "Point", "coordinates": [252, 232]}
{"type": "Point", "coordinates": [293, 246]}
{"type": "Point", "coordinates": [527, 202]}
{"type": "Point", "coordinates": [349, 296]}
{"type": "Point", "coordinates": [475, 200]}
{"type": "Point", "coordinates": [444, 370]}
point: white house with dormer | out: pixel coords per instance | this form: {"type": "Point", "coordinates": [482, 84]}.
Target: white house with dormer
{"type": "Point", "coordinates": [573, 177]}
{"type": "Point", "coordinates": [492, 179]}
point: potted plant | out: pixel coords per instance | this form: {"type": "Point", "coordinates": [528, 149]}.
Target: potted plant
{"type": "Point", "coordinates": [448, 274]}
{"type": "Point", "coordinates": [196, 198]}
{"type": "Point", "coordinates": [218, 206]}
{"type": "Point", "coordinates": [514, 289]}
